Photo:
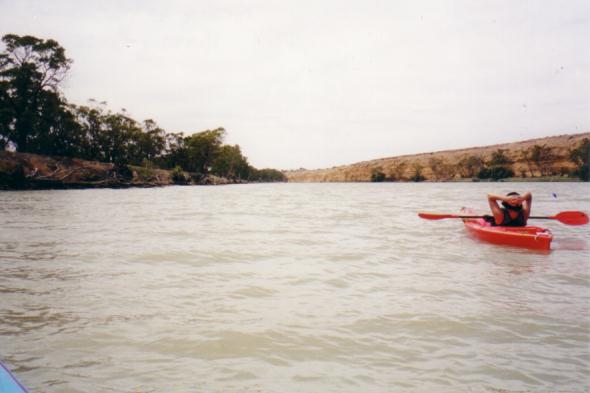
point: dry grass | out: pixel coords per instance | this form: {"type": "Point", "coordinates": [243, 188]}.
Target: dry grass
{"type": "Point", "coordinates": [404, 166]}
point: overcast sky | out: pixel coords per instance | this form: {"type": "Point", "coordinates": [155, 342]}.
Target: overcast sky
{"type": "Point", "coordinates": [320, 83]}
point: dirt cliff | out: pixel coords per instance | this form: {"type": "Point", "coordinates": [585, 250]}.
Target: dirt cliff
{"type": "Point", "coordinates": [451, 164]}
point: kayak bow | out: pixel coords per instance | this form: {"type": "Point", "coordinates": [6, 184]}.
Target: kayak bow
{"type": "Point", "coordinates": [8, 382]}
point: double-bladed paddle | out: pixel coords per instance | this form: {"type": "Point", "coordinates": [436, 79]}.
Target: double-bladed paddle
{"type": "Point", "coordinates": [567, 217]}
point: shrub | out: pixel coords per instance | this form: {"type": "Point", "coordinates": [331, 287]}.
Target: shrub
{"type": "Point", "coordinates": [539, 157]}
{"type": "Point", "coordinates": [469, 167]}
{"type": "Point", "coordinates": [377, 176]}
{"type": "Point", "coordinates": [501, 172]}
{"type": "Point", "coordinates": [499, 158]}
{"type": "Point", "coordinates": [178, 176]}
{"type": "Point", "coordinates": [580, 157]}
{"type": "Point", "coordinates": [123, 172]}
{"type": "Point", "coordinates": [484, 173]}
{"type": "Point", "coordinates": [496, 173]}
{"type": "Point", "coordinates": [266, 175]}
{"type": "Point", "coordinates": [417, 176]}
{"type": "Point", "coordinates": [583, 172]}
{"type": "Point", "coordinates": [145, 174]}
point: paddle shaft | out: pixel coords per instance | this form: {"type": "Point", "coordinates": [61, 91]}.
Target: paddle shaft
{"type": "Point", "coordinates": [535, 217]}
{"type": "Point", "coordinates": [567, 217]}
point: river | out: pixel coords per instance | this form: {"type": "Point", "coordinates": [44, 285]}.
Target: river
{"type": "Point", "coordinates": [289, 288]}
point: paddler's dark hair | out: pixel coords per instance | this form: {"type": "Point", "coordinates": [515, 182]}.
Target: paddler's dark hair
{"type": "Point", "coordinates": [509, 206]}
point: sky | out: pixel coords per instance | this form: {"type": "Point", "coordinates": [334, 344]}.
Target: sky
{"type": "Point", "coordinates": [314, 84]}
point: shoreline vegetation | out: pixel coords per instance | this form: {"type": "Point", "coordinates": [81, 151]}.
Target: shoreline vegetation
{"type": "Point", "coordinates": [47, 142]}
{"type": "Point", "coordinates": [26, 171]}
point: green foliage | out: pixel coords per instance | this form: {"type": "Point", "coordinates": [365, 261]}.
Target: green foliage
{"type": "Point", "coordinates": [470, 166]}
{"type": "Point", "coordinates": [541, 153]}
{"type": "Point", "coordinates": [36, 118]}
{"type": "Point", "coordinates": [33, 114]}
{"type": "Point", "coordinates": [580, 157]}
{"type": "Point", "coordinates": [539, 157]}
{"type": "Point", "coordinates": [266, 175]}
{"type": "Point", "coordinates": [417, 176]}
{"type": "Point", "coordinates": [194, 153]}
{"type": "Point", "coordinates": [178, 176]}
{"type": "Point", "coordinates": [123, 171]}
{"type": "Point", "coordinates": [145, 163]}
{"type": "Point", "coordinates": [495, 173]}
{"type": "Point", "coordinates": [498, 167]}
{"type": "Point", "coordinates": [377, 175]}
{"type": "Point", "coordinates": [116, 137]}
{"type": "Point", "coordinates": [499, 158]}
{"type": "Point", "coordinates": [174, 151]}
{"type": "Point", "coordinates": [144, 173]}
{"type": "Point", "coordinates": [484, 173]}
{"type": "Point", "coordinates": [202, 148]}
{"type": "Point", "coordinates": [230, 163]}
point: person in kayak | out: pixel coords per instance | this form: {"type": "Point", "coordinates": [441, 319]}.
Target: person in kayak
{"type": "Point", "coordinates": [515, 210]}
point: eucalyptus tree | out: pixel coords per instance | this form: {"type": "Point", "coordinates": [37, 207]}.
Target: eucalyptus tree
{"type": "Point", "coordinates": [231, 163]}
{"type": "Point", "coordinates": [34, 116]}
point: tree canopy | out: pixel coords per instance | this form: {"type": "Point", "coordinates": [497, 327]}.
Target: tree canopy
{"type": "Point", "coordinates": [35, 117]}
{"type": "Point", "coordinates": [33, 114]}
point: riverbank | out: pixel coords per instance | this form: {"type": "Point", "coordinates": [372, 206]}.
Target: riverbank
{"type": "Point", "coordinates": [539, 179]}
{"type": "Point", "coordinates": [23, 171]}
{"type": "Point", "coordinates": [530, 160]}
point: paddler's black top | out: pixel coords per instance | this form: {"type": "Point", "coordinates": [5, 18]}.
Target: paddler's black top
{"type": "Point", "coordinates": [508, 221]}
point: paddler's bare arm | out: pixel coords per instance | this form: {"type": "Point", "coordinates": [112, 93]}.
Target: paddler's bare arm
{"type": "Point", "coordinates": [527, 202]}
{"type": "Point", "coordinates": [496, 210]}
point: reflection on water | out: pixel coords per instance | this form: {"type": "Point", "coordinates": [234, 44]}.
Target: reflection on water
{"type": "Point", "coordinates": [288, 288]}
{"type": "Point", "coordinates": [571, 244]}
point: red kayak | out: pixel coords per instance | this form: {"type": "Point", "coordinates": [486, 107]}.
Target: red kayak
{"type": "Point", "coordinates": [531, 237]}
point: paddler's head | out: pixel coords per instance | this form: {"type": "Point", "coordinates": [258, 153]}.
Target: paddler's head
{"type": "Point", "coordinates": [514, 201]}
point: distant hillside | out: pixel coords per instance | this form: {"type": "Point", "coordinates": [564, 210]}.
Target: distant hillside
{"type": "Point", "coordinates": [528, 159]}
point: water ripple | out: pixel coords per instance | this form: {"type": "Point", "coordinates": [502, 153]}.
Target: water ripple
{"type": "Point", "coordinates": [287, 288]}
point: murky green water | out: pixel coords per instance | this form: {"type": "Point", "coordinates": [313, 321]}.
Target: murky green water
{"type": "Point", "coordinates": [288, 288]}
